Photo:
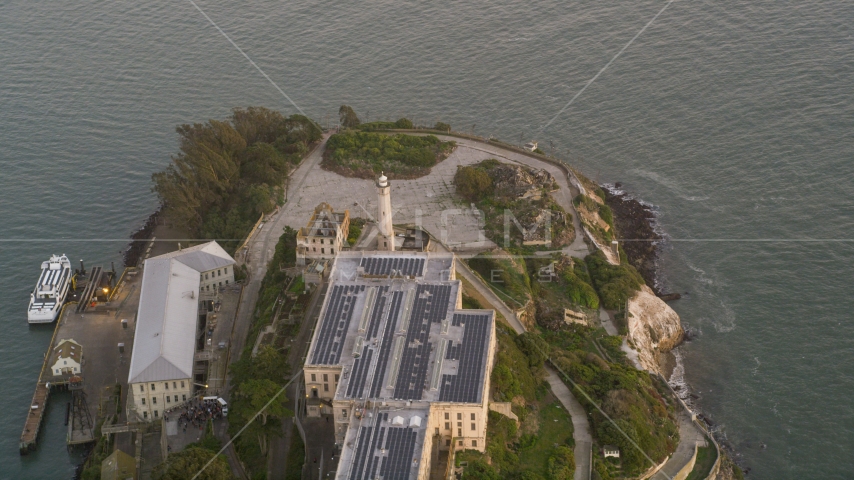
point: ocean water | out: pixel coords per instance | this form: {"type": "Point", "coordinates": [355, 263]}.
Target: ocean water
{"type": "Point", "coordinates": [735, 119]}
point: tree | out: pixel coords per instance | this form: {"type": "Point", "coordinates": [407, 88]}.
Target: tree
{"type": "Point", "coordinates": [348, 117]}
{"type": "Point", "coordinates": [473, 183]}
{"type": "Point", "coordinates": [186, 463]}
{"type": "Point", "coordinates": [480, 470]}
{"type": "Point", "coordinates": [404, 123]}
{"type": "Point", "coordinates": [251, 397]}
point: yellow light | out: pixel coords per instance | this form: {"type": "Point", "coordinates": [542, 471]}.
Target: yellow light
{"type": "Point", "coordinates": [106, 289]}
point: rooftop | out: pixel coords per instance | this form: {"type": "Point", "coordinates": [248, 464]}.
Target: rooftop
{"type": "Point", "coordinates": [203, 258]}
{"type": "Point", "coordinates": [387, 443]}
{"type": "Point", "coordinates": [164, 342]}
{"type": "Point", "coordinates": [392, 319]}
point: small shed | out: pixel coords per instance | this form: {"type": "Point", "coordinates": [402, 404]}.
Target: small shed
{"type": "Point", "coordinates": [610, 451]}
{"type": "Point", "coordinates": [118, 466]}
{"type": "Point", "coordinates": [68, 356]}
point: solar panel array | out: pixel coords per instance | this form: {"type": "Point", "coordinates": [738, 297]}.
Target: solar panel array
{"type": "Point", "coordinates": [360, 373]}
{"type": "Point", "coordinates": [369, 439]}
{"type": "Point", "coordinates": [377, 314]}
{"type": "Point", "coordinates": [466, 385]}
{"type": "Point", "coordinates": [401, 447]}
{"type": "Point", "coordinates": [336, 321]}
{"type": "Point", "coordinates": [383, 266]}
{"type": "Point", "coordinates": [387, 341]}
{"type": "Point", "coordinates": [430, 306]}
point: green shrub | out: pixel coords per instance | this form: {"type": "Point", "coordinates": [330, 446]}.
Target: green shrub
{"type": "Point", "coordinates": [404, 123]}
{"type": "Point", "coordinates": [562, 464]}
{"type": "Point", "coordinates": [442, 127]}
{"type": "Point", "coordinates": [615, 283]}
{"type": "Point", "coordinates": [473, 183]}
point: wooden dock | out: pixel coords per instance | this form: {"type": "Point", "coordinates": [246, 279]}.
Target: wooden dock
{"type": "Point", "coordinates": [34, 418]}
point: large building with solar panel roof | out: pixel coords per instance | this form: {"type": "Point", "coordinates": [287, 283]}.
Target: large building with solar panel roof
{"type": "Point", "coordinates": [401, 366]}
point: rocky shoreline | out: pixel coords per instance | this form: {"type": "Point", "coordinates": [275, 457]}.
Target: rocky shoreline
{"type": "Point", "coordinates": [637, 224]}
{"type": "Point", "coordinates": [136, 247]}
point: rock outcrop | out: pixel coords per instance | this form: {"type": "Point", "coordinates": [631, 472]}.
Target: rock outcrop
{"type": "Point", "coordinates": [654, 328]}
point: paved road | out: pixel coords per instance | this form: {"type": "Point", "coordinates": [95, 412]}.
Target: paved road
{"type": "Point", "coordinates": [689, 435]}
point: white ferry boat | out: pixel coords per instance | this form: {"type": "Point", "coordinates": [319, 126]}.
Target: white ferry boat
{"type": "Point", "coordinates": [49, 295]}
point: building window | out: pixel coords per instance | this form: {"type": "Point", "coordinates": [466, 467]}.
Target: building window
{"type": "Point", "coordinates": [344, 412]}
{"type": "Point", "coordinates": [332, 251]}
{"type": "Point", "coordinates": [166, 385]}
{"type": "Point", "coordinates": [447, 425]}
{"type": "Point", "coordinates": [459, 424]}
{"type": "Point", "coordinates": [460, 433]}
{"type": "Point", "coordinates": [155, 413]}
{"type": "Point", "coordinates": [448, 443]}
{"type": "Point", "coordinates": [459, 416]}
{"type": "Point", "coordinates": [472, 427]}
{"type": "Point", "coordinates": [168, 399]}
{"type": "Point", "coordinates": [219, 273]}
{"type": "Point", "coordinates": [145, 415]}
{"type": "Point", "coordinates": [182, 384]}
{"type": "Point", "coordinates": [176, 398]}
{"type": "Point", "coordinates": [208, 288]}
{"type": "Point", "coordinates": [175, 385]}
{"type": "Point", "coordinates": [325, 387]}
{"type": "Point", "coordinates": [226, 282]}
{"type": "Point", "coordinates": [184, 398]}
{"type": "Point", "coordinates": [460, 443]}
{"type": "Point", "coordinates": [225, 270]}
{"type": "Point", "coordinates": [313, 377]}
{"type": "Point", "coordinates": [447, 416]}
{"type": "Point", "coordinates": [322, 250]}
{"type": "Point", "coordinates": [474, 443]}
{"type": "Point", "coordinates": [437, 431]}
{"type": "Point", "coordinates": [472, 417]}
{"type": "Point", "coordinates": [336, 378]}
{"type": "Point", "coordinates": [313, 249]}
{"type": "Point", "coordinates": [143, 400]}
{"type": "Point", "coordinates": [142, 388]}
{"type": "Point", "coordinates": [154, 400]}
{"type": "Point", "coordinates": [206, 276]}
{"type": "Point", "coordinates": [325, 377]}
{"type": "Point", "coordinates": [152, 387]}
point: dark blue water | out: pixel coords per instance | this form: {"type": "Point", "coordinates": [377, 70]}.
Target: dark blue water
{"type": "Point", "coordinates": [734, 118]}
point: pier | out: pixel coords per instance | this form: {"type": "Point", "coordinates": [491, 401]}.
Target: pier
{"type": "Point", "coordinates": [102, 323]}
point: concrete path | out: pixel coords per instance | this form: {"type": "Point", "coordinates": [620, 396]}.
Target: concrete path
{"type": "Point", "coordinates": [581, 427]}
{"type": "Point", "coordinates": [607, 323]}
{"type": "Point", "coordinates": [689, 435]}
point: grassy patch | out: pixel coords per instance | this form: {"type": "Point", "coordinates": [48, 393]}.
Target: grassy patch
{"type": "Point", "coordinates": [706, 457]}
{"type": "Point", "coordinates": [504, 274]}
{"type": "Point", "coordinates": [366, 154]}
{"type": "Point", "coordinates": [555, 429]}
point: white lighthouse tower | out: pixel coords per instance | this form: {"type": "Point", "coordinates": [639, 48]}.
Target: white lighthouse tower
{"type": "Point", "coordinates": [385, 239]}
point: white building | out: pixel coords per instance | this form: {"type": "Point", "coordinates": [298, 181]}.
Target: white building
{"type": "Point", "coordinates": [215, 265]}
{"type": "Point", "coordinates": [610, 451]}
{"type": "Point", "coordinates": [164, 344]}
{"type": "Point", "coordinates": [68, 358]}
{"type": "Point", "coordinates": [394, 355]}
